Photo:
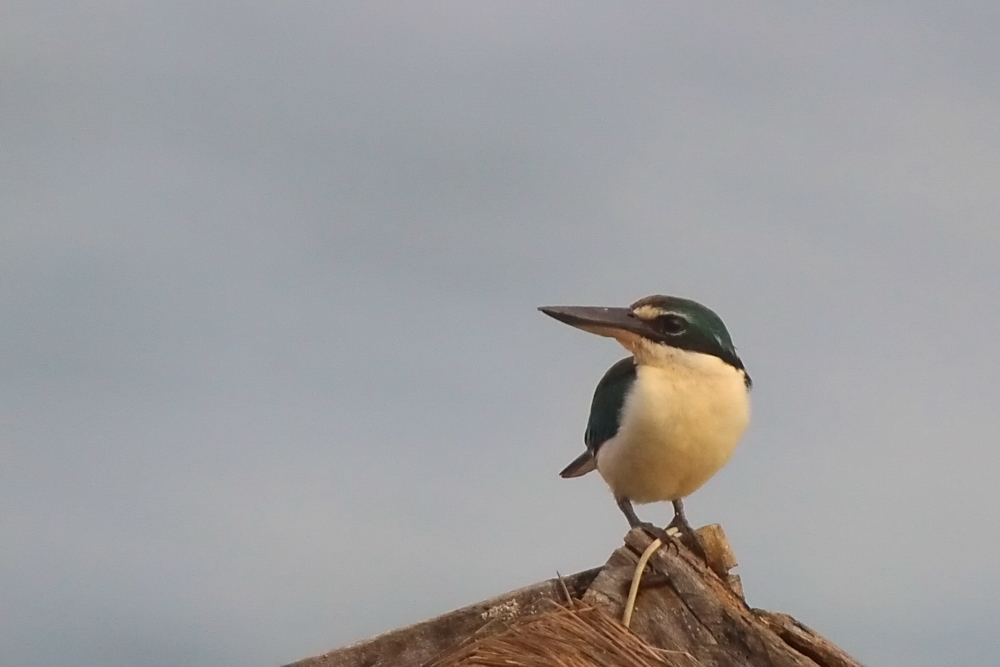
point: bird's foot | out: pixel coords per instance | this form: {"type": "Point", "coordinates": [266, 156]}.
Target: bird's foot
{"type": "Point", "coordinates": [667, 541]}
{"type": "Point", "coordinates": [682, 530]}
{"type": "Point", "coordinates": [688, 536]}
{"type": "Point", "coordinates": [662, 534]}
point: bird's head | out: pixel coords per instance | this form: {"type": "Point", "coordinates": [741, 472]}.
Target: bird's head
{"type": "Point", "coordinates": [653, 326]}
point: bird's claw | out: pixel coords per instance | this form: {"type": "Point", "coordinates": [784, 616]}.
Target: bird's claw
{"type": "Point", "coordinates": [660, 533]}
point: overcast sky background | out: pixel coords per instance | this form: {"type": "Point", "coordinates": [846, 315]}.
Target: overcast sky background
{"type": "Point", "coordinates": [271, 375]}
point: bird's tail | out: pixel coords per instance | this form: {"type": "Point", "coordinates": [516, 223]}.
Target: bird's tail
{"type": "Point", "coordinates": [581, 465]}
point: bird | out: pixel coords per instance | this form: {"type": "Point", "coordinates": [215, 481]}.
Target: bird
{"type": "Point", "coordinates": [665, 419]}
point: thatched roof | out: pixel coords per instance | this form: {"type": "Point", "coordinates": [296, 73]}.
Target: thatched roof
{"type": "Point", "coordinates": [680, 612]}
{"type": "Point", "coordinates": [574, 636]}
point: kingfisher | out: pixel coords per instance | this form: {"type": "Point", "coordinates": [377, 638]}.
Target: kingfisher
{"type": "Point", "coordinates": [667, 418]}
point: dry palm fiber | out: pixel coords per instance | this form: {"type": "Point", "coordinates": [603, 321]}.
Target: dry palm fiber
{"type": "Point", "coordinates": [575, 637]}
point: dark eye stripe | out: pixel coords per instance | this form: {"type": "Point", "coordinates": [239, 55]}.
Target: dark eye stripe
{"type": "Point", "coordinates": [672, 323]}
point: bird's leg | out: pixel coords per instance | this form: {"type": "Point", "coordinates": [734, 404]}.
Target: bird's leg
{"type": "Point", "coordinates": [680, 522]}
{"type": "Point", "coordinates": [625, 505]}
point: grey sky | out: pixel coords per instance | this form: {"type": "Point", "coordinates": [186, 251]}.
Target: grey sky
{"type": "Point", "coordinates": [271, 373]}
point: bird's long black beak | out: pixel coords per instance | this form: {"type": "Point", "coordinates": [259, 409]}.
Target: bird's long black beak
{"type": "Point", "coordinates": [611, 322]}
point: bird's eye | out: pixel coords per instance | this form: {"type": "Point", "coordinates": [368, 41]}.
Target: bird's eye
{"type": "Point", "coordinates": [672, 324]}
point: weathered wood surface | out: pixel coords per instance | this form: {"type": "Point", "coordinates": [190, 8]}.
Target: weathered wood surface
{"type": "Point", "coordinates": [692, 612]}
{"type": "Point", "coordinates": [805, 640]}
{"type": "Point", "coordinates": [684, 606]}
{"type": "Point", "coordinates": [415, 645]}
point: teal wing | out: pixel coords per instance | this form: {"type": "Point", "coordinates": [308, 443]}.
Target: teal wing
{"type": "Point", "coordinates": [605, 415]}
{"type": "Point", "coordinates": [606, 408]}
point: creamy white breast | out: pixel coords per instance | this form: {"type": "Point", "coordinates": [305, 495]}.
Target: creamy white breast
{"type": "Point", "coordinates": [679, 425]}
